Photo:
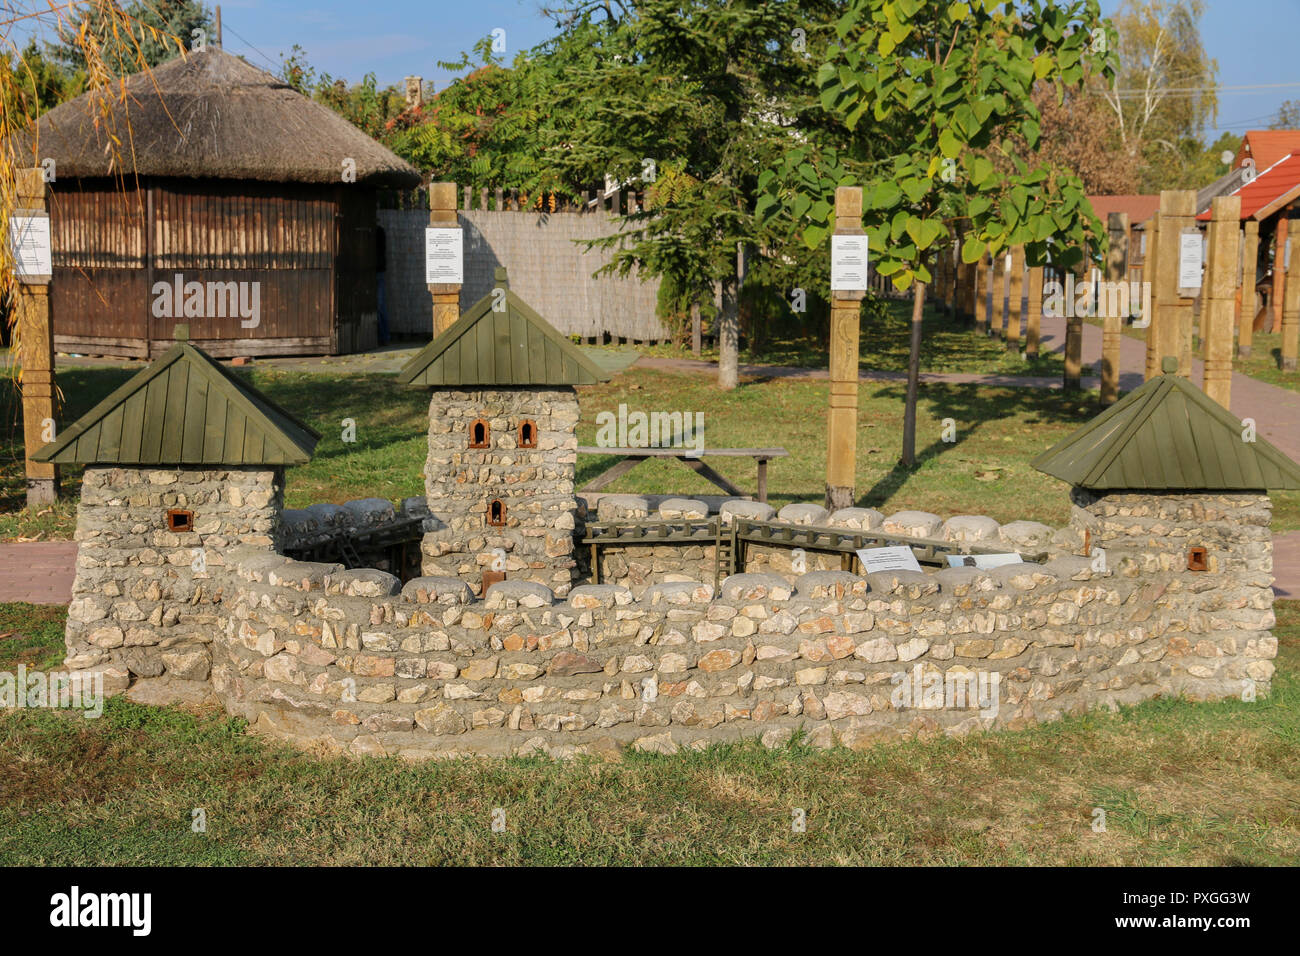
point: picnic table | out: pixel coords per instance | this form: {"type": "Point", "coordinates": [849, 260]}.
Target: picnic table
{"type": "Point", "coordinates": [630, 457]}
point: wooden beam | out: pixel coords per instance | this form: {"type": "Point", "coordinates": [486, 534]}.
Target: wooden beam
{"type": "Point", "coordinates": [1112, 325]}
{"type": "Point", "coordinates": [1290, 327]}
{"type": "Point", "coordinates": [446, 295]}
{"type": "Point", "coordinates": [842, 416]}
{"type": "Point", "coordinates": [1015, 289]}
{"type": "Point", "coordinates": [1150, 273]}
{"type": "Point", "coordinates": [1221, 283]}
{"type": "Point", "coordinates": [35, 328]}
{"type": "Point", "coordinates": [1034, 316]}
{"type": "Point", "coordinates": [1249, 258]}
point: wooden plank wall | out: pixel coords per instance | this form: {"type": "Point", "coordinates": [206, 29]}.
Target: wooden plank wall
{"type": "Point", "coordinates": [284, 236]}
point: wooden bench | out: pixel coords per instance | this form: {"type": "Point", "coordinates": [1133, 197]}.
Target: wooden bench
{"type": "Point", "coordinates": [629, 458]}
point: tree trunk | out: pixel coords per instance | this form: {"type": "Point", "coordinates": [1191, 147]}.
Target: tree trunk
{"type": "Point", "coordinates": [729, 336]}
{"type": "Point", "coordinates": [729, 328]}
{"type": "Point", "coordinates": [913, 376]}
{"type": "Point", "coordinates": [697, 334]}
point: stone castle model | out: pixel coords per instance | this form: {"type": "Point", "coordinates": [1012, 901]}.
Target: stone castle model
{"type": "Point", "coordinates": [1149, 591]}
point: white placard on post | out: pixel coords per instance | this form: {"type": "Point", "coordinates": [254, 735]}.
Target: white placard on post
{"type": "Point", "coordinates": [848, 263]}
{"type": "Point", "coordinates": [893, 558]}
{"type": "Point", "coordinates": [1189, 260]}
{"type": "Point", "coordinates": [444, 256]}
{"type": "Point", "coordinates": [29, 238]}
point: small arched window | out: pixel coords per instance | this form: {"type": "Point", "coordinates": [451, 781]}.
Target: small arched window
{"type": "Point", "coordinates": [480, 433]}
{"type": "Point", "coordinates": [527, 434]}
{"type": "Point", "coordinates": [496, 513]}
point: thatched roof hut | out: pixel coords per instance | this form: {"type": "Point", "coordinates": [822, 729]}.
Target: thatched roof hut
{"type": "Point", "coordinates": [211, 115]}
{"type": "Point", "coordinates": [220, 174]}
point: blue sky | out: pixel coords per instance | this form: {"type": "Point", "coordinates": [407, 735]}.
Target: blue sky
{"type": "Point", "coordinates": [1253, 41]}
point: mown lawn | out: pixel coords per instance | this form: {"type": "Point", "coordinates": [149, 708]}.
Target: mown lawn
{"type": "Point", "coordinates": [1181, 784]}
{"type": "Point", "coordinates": [986, 470]}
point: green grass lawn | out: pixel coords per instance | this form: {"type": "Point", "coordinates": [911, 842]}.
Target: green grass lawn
{"type": "Point", "coordinates": [1181, 784]}
{"type": "Point", "coordinates": [948, 345]}
{"type": "Point", "coordinates": [985, 471]}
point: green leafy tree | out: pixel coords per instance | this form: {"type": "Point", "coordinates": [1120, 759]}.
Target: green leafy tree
{"type": "Point", "coordinates": [690, 100]}
{"type": "Point", "coordinates": [129, 38]}
{"type": "Point", "coordinates": [936, 86]}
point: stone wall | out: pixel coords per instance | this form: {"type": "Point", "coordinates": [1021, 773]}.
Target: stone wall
{"type": "Point", "coordinates": [534, 484]}
{"type": "Point", "coordinates": [550, 269]}
{"type": "Point", "coordinates": [146, 599]}
{"type": "Point", "coordinates": [638, 566]}
{"type": "Point", "coordinates": [350, 661]}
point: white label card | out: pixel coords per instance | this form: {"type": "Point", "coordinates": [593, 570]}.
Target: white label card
{"type": "Point", "coordinates": [1189, 260]}
{"type": "Point", "coordinates": [893, 558]}
{"type": "Point", "coordinates": [444, 256]}
{"type": "Point", "coordinates": [29, 238]}
{"type": "Point", "coordinates": [848, 263]}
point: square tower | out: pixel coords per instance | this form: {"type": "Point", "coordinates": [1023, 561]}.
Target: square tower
{"type": "Point", "coordinates": [503, 442]}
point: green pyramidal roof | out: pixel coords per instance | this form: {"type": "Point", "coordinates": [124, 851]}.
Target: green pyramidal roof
{"type": "Point", "coordinates": [1168, 435]}
{"type": "Point", "coordinates": [184, 409]}
{"type": "Point", "coordinates": [506, 345]}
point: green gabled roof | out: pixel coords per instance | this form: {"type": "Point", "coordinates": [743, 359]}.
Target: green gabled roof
{"type": "Point", "coordinates": [514, 346]}
{"type": "Point", "coordinates": [1168, 435]}
{"type": "Point", "coordinates": [184, 409]}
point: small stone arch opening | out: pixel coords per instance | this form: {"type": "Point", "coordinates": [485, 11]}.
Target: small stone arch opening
{"type": "Point", "coordinates": [496, 513]}
{"type": "Point", "coordinates": [527, 434]}
{"type": "Point", "coordinates": [480, 433]}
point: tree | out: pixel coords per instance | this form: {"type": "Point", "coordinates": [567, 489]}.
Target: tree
{"type": "Point", "coordinates": [128, 39]}
{"type": "Point", "coordinates": [1288, 116]}
{"type": "Point", "coordinates": [945, 82]}
{"type": "Point", "coordinates": [1165, 88]}
{"type": "Point", "coordinates": [691, 99]}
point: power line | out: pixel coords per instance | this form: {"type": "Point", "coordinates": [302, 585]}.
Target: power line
{"type": "Point", "coordinates": [226, 28]}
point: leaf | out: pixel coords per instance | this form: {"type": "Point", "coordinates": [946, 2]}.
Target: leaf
{"type": "Point", "coordinates": [980, 170]}
{"type": "Point", "coordinates": [971, 250]}
{"type": "Point", "coordinates": [949, 144]}
{"type": "Point", "coordinates": [813, 235]}
{"type": "Point", "coordinates": [957, 12]}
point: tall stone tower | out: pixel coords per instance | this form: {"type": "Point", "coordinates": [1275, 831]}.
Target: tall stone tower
{"type": "Point", "coordinates": [503, 442]}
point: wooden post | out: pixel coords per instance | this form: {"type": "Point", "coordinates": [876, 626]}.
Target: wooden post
{"type": "Point", "coordinates": [1073, 378]}
{"type": "Point", "coordinates": [1172, 328]}
{"type": "Point", "coordinates": [1034, 315]}
{"type": "Point", "coordinates": [1015, 290]}
{"type": "Point", "coordinates": [1112, 325]}
{"type": "Point", "coordinates": [1279, 271]}
{"type": "Point", "coordinates": [446, 295]}
{"type": "Point", "coordinates": [36, 351]}
{"type": "Point", "coordinates": [998, 279]}
{"type": "Point", "coordinates": [842, 416]}
{"type": "Point", "coordinates": [1221, 283]}
{"type": "Point", "coordinates": [1291, 308]}
{"type": "Point", "coordinates": [981, 309]}
{"type": "Point", "coordinates": [1150, 267]}
{"type": "Point", "coordinates": [1249, 258]}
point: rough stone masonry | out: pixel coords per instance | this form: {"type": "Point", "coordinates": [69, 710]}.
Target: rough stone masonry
{"type": "Point", "coordinates": [354, 662]}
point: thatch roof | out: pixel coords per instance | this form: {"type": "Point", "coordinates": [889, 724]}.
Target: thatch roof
{"type": "Point", "coordinates": [210, 115]}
